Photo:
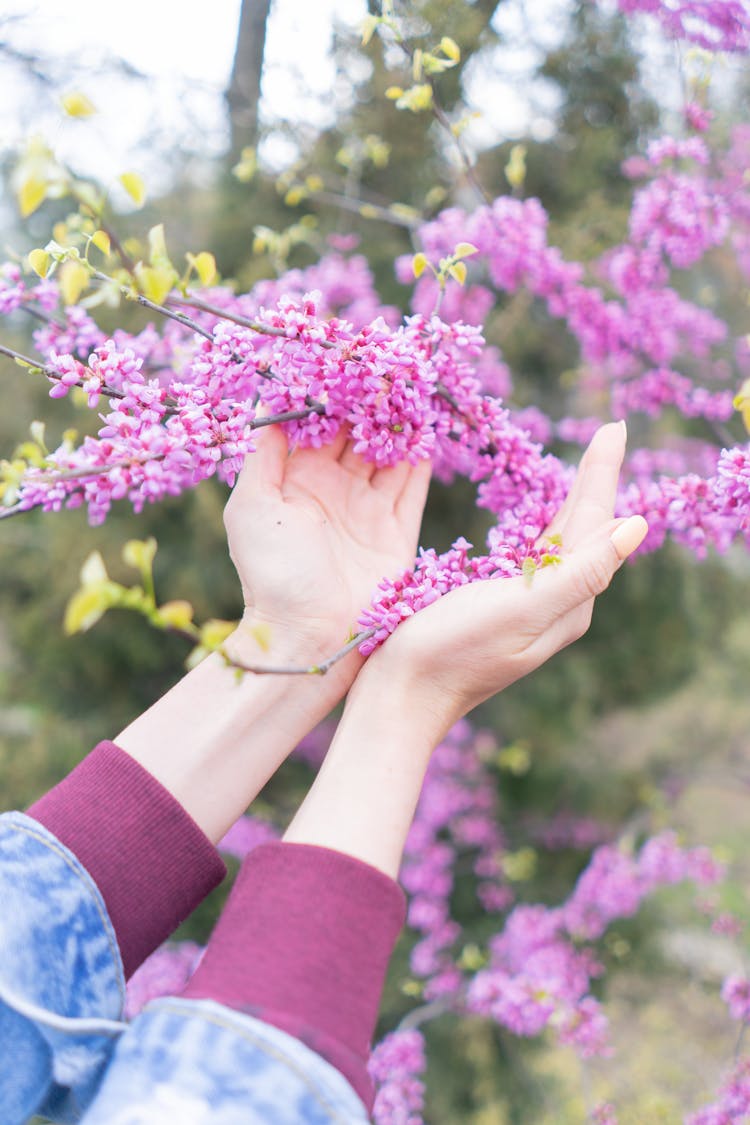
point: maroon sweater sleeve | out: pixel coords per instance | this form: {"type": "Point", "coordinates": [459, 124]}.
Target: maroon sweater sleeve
{"type": "Point", "coordinates": [304, 943]}
{"type": "Point", "coordinates": [151, 862]}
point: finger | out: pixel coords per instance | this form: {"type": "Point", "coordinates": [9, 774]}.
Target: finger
{"type": "Point", "coordinates": [314, 455]}
{"type": "Point", "coordinates": [411, 502]}
{"type": "Point", "coordinates": [263, 470]}
{"type": "Point", "coordinates": [333, 449]}
{"type": "Point", "coordinates": [559, 520]}
{"type": "Point", "coordinates": [355, 464]}
{"type": "Point", "coordinates": [391, 479]}
{"type": "Point", "coordinates": [588, 570]}
{"type": "Point", "coordinates": [594, 502]}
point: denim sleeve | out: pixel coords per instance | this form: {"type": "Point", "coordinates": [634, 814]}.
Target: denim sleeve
{"type": "Point", "coordinates": [61, 981]}
{"type": "Point", "coordinates": [197, 1062]}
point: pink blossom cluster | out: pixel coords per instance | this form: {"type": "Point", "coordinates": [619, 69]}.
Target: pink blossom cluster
{"type": "Point", "coordinates": [396, 1066]}
{"type": "Point", "coordinates": [182, 405]}
{"type": "Point", "coordinates": [718, 25]}
{"type": "Point", "coordinates": [735, 993]}
{"type": "Point", "coordinates": [457, 813]}
{"type": "Point", "coordinates": [733, 1104]}
{"type": "Point", "coordinates": [246, 833]}
{"type": "Point", "coordinates": [564, 829]}
{"type": "Point", "coordinates": [540, 972]}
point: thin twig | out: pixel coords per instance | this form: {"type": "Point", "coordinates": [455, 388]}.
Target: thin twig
{"type": "Point", "coordinates": [140, 299]}
{"type": "Point", "coordinates": [193, 302]}
{"type": "Point", "coordinates": [55, 377]}
{"type": "Point", "coordinates": [425, 1012]}
{"type": "Point", "coordinates": [298, 670]}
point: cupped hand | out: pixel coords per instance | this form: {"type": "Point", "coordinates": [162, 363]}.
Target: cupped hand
{"type": "Point", "coordinates": [478, 639]}
{"type": "Point", "coordinates": [311, 532]}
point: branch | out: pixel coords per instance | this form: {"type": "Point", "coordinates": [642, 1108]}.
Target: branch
{"type": "Point", "coordinates": [296, 670]}
{"type": "Point", "coordinates": [426, 1012]}
{"type": "Point", "coordinates": [193, 302]}
{"type": "Point", "coordinates": [53, 376]}
{"type": "Point", "coordinates": [139, 298]}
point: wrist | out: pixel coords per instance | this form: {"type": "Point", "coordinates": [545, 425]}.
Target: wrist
{"type": "Point", "coordinates": [419, 707]}
{"type": "Point", "coordinates": [261, 640]}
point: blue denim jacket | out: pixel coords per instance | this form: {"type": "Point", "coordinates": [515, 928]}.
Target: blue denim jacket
{"type": "Point", "coordinates": [65, 1052]}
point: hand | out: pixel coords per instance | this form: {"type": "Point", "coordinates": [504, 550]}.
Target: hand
{"type": "Point", "coordinates": [482, 637]}
{"type": "Point", "coordinates": [311, 532]}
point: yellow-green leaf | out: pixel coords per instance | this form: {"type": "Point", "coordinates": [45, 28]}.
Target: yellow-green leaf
{"type": "Point", "coordinates": [515, 169]}
{"type": "Point", "coordinates": [519, 866]}
{"type": "Point", "coordinates": [155, 282]}
{"type": "Point", "coordinates": [465, 250]}
{"type": "Point", "coordinates": [528, 569]}
{"type": "Point", "coordinates": [176, 614]}
{"type": "Point", "coordinates": [394, 92]}
{"type": "Point", "coordinates": [295, 195]}
{"type": "Point", "coordinates": [368, 28]}
{"type": "Point", "coordinates": [205, 266]}
{"type": "Point", "coordinates": [134, 186]}
{"type": "Point", "coordinates": [247, 166]}
{"type": "Point", "coordinates": [84, 609]}
{"type": "Point", "coordinates": [37, 429]}
{"type": "Point", "coordinates": [419, 264]}
{"type": "Point", "coordinates": [31, 195]}
{"type": "Point", "coordinates": [458, 272]}
{"type": "Point", "coordinates": [74, 279]}
{"type": "Point", "coordinates": [101, 240]}
{"type": "Point", "coordinates": [139, 553]}
{"type": "Point", "coordinates": [77, 104]}
{"type": "Point", "coordinates": [93, 571]}
{"type": "Point", "coordinates": [215, 632]}
{"type": "Point", "coordinates": [39, 262]}
{"type": "Point", "coordinates": [157, 246]}
{"type": "Point", "coordinates": [450, 49]}
{"type": "Point", "coordinates": [741, 402]}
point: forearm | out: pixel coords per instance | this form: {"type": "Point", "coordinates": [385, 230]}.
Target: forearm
{"type": "Point", "coordinates": [214, 740]}
{"type": "Point", "coordinates": [363, 800]}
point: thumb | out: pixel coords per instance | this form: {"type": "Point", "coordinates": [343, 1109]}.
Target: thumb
{"type": "Point", "coordinates": [588, 570]}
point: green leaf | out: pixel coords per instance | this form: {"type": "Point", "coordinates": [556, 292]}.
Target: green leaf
{"type": "Point", "coordinates": [101, 240]}
{"type": "Point", "coordinates": [175, 615]}
{"type": "Point", "coordinates": [74, 279]}
{"type": "Point", "coordinates": [77, 104]}
{"type": "Point", "coordinates": [134, 186]}
{"type": "Point", "coordinates": [450, 49]}
{"type": "Point", "coordinates": [214, 632]}
{"type": "Point", "coordinates": [139, 553]}
{"type": "Point", "coordinates": [31, 195]}
{"type": "Point", "coordinates": [419, 264]}
{"type": "Point", "coordinates": [93, 571]}
{"type": "Point", "coordinates": [39, 261]}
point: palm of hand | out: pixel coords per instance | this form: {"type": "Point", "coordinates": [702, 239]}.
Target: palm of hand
{"type": "Point", "coordinates": [312, 532]}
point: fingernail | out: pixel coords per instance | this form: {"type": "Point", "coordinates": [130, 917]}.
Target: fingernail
{"type": "Point", "coordinates": [628, 535]}
{"type": "Point", "coordinates": [624, 425]}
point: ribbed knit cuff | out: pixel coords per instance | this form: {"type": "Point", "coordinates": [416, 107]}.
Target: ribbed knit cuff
{"type": "Point", "coordinates": [151, 862]}
{"type": "Point", "coordinates": [304, 943]}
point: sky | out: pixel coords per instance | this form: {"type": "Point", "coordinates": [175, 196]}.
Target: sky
{"type": "Point", "coordinates": [183, 46]}
{"type": "Point", "coordinates": [186, 49]}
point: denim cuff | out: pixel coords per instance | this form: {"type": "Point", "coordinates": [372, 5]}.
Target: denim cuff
{"type": "Point", "coordinates": [196, 1061]}
{"type": "Point", "coordinates": [62, 986]}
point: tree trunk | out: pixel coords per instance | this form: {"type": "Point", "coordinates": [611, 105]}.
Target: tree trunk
{"type": "Point", "coordinates": [243, 92]}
